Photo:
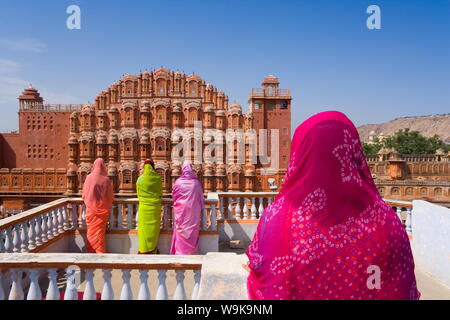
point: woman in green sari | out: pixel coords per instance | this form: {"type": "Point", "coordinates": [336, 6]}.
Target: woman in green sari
{"type": "Point", "coordinates": [149, 192]}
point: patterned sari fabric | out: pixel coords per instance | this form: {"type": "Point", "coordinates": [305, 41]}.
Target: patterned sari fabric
{"type": "Point", "coordinates": [98, 197]}
{"type": "Point", "coordinates": [329, 234]}
{"type": "Point", "coordinates": [187, 208]}
{"type": "Point", "coordinates": [149, 192]}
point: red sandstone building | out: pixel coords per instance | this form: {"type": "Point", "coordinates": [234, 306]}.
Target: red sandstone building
{"type": "Point", "coordinates": [132, 120]}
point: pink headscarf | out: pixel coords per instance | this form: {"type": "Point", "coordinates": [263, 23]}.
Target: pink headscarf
{"type": "Point", "coordinates": [329, 230]}
{"type": "Point", "coordinates": [98, 193]}
{"type": "Point", "coordinates": [188, 204]}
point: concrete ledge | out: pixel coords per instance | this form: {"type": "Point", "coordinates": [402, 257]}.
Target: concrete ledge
{"type": "Point", "coordinates": [223, 277]}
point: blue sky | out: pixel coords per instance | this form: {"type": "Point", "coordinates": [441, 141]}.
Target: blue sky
{"type": "Point", "coordinates": [321, 50]}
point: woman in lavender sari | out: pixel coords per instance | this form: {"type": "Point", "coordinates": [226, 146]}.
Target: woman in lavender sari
{"type": "Point", "coordinates": [187, 205]}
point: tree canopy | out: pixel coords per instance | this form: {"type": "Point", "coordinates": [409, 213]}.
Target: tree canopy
{"type": "Point", "coordinates": [406, 141]}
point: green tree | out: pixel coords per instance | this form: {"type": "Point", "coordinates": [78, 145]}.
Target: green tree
{"type": "Point", "coordinates": [406, 141]}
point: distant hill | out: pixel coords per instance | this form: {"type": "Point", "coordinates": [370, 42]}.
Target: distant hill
{"type": "Point", "coordinates": [426, 125]}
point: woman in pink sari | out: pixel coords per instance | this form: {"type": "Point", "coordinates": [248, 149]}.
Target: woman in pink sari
{"type": "Point", "coordinates": [329, 234]}
{"type": "Point", "coordinates": [187, 206]}
{"type": "Point", "coordinates": [98, 197]}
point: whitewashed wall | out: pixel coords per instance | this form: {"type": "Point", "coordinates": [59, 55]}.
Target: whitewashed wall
{"type": "Point", "coordinates": [431, 239]}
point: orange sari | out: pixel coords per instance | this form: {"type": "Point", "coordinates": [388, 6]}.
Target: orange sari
{"type": "Point", "coordinates": [98, 197]}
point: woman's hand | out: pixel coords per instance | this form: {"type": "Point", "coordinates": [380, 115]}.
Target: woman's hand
{"type": "Point", "coordinates": [246, 266]}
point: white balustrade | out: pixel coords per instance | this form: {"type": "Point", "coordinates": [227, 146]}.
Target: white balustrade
{"type": "Point", "coordinates": [44, 228]}
{"type": "Point", "coordinates": [130, 217]}
{"type": "Point", "coordinates": [230, 208]}
{"type": "Point", "coordinates": [213, 217]}
{"type": "Point", "coordinates": [180, 293]}
{"type": "Point", "coordinates": [89, 290]}
{"type": "Point", "coordinates": [66, 225]}
{"type": "Point", "coordinates": [71, 292]}
{"type": "Point", "coordinates": [34, 292]}
{"type": "Point", "coordinates": [16, 240]}
{"type": "Point", "coordinates": [111, 217]}
{"type": "Point", "coordinates": [83, 216]}
{"type": "Point", "coordinates": [237, 209]}
{"type": "Point", "coordinates": [126, 293]}
{"type": "Point", "coordinates": [107, 293]}
{"type": "Point", "coordinates": [38, 231]}
{"type": "Point", "coordinates": [261, 207]}
{"type": "Point", "coordinates": [245, 210]}
{"type": "Point", "coordinates": [16, 292]}
{"type": "Point", "coordinates": [197, 275]}
{"type": "Point", "coordinates": [55, 221]}
{"type": "Point", "coordinates": [32, 234]}
{"type": "Point", "coordinates": [161, 293]}
{"type": "Point", "coordinates": [253, 209]}
{"type": "Point", "coordinates": [52, 290]}
{"type": "Point", "coordinates": [8, 241]}
{"type": "Point", "coordinates": [120, 217]}
{"type": "Point", "coordinates": [40, 265]}
{"type": "Point", "coordinates": [409, 221]}
{"type": "Point", "coordinates": [144, 291]}
{"type": "Point", "coordinates": [49, 225]}
{"type": "Point", "coordinates": [23, 237]}
{"type": "Point", "coordinates": [74, 219]}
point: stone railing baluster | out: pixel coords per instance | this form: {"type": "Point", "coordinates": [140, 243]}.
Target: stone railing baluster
{"type": "Point", "coordinates": [230, 209]}
{"type": "Point", "coordinates": [221, 212]}
{"type": "Point", "coordinates": [245, 210]}
{"type": "Point", "coordinates": [213, 217]}
{"type": "Point", "coordinates": [71, 292]}
{"type": "Point", "coordinates": [261, 207]}
{"type": "Point", "coordinates": [66, 225]}
{"type": "Point", "coordinates": [75, 225]}
{"type": "Point", "coordinates": [38, 231]}
{"type": "Point", "coordinates": [253, 209]}
{"type": "Point", "coordinates": [130, 217]}
{"type": "Point", "coordinates": [52, 290]}
{"type": "Point", "coordinates": [180, 293]}
{"type": "Point", "coordinates": [137, 216]}
{"type": "Point", "coordinates": [49, 225]}
{"type": "Point", "coordinates": [55, 221]}
{"type": "Point", "coordinates": [399, 213]}
{"type": "Point", "coordinates": [409, 221]}
{"type": "Point", "coordinates": [24, 237]}
{"type": "Point", "coordinates": [83, 216]}
{"type": "Point", "coordinates": [165, 219]}
{"type": "Point", "coordinates": [34, 292]}
{"type": "Point", "coordinates": [204, 219]}
{"type": "Point", "coordinates": [144, 291]}
{"type": "Point", "coordinates": [237, 210]}
{"type": "Point", "coordinates": [32, 234]}
{"type": "Point", "coordinates": [126, 293]}
{"type": "Point", "coordinates": [44, 230]}
{"type": "Point", "coordinates": [161, 293]}
{"type": "Point", "coordinates": [16, 292]}
{"type": "Point", "coordinates": [16, 240]}
{"type": "Point", "coordinates": [107, 292]}
{"type": "Point", "coordinates": [89, 291]}
{"type": "Point", "coordinates": [111, 225]}
{"type": "Point", "coordinates": [197, 275]}
{"type": "Point", "coordinates": [120, 217]}
{"type": "Point", "coordinates": [59, 215]}
{"type": "Point", "coordinates": [8, 240]}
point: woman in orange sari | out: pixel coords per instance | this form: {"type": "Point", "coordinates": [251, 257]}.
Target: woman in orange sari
{"type": "Point", "coordinates": [98, 197]}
